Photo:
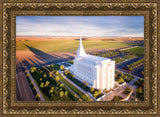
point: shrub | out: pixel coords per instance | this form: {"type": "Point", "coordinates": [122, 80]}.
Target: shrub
{"type": "Point", "coordinates": [61, 93]}
{"type": "Point", "coordinates": [62, 67]}
{"type": "Point", "coordinates": [44, 75]}
{"type": "Point", "coordinates": [116, 98]}
{"type": "Point", "coordinates": [91, 89]}
{"type": "Point", "coordinates": [95, 94]}
{"type": "Point", "coordinates": [57, 78]}
{"type": "Point", "coordinates": [57, 72]}
{"type": "Point", "coordinates": [85, 83]}
{"type": "Point", "coordinates": [65, 93]}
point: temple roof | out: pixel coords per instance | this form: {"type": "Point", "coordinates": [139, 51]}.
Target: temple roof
{"type": "Point", "coordinates": [81, 54]}
{"type": "Point", "coordinates": [80, 51]}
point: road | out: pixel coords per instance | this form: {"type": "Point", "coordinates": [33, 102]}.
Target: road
{"type": "Point", "coordinates": [136, 71]}
{"type": "Point", "coordinates": [35, 85]}
{"type": "Point", "coordinates": [23, 90]}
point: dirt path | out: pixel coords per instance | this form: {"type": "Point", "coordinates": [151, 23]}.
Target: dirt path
{"type": "Point", "coordinates": [23, 90]}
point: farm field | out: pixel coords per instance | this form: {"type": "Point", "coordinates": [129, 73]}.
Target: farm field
{"type": "Point", "coordinates": [38, 51]}
{"type": "Point", "coordinates": [69, 45]}
{"type": "Point", "coordinates": [137, 50]}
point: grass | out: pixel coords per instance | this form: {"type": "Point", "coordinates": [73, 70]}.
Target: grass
{"type": "Point", "coordinates": [45, 97]}
{"type": "Point", "coordinates": [137, 50]}
{"type": "Point", "coordinates": [69, 45]}
{"type": "Point", "coordinates": [77, 91]}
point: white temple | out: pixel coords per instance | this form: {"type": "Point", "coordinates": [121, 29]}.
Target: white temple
{"type": "Point", "coordinates": [97, 71]}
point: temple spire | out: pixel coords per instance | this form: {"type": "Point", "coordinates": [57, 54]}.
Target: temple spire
{"type": "Point", "coordinates": [80, 51]}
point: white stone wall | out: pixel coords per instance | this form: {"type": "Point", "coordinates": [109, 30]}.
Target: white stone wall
{"type": "Point", "coordinates": [101, 75]}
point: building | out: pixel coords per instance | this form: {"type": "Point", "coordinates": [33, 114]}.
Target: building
{"type": "Point", "coordinates": [97, 71]}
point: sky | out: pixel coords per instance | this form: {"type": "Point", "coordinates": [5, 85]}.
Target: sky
{"type": "Point", "coordinates": [92, 26]}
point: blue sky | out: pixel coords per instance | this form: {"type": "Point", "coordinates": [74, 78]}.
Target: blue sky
{"type": "Point", "coordinates": [100, 26]}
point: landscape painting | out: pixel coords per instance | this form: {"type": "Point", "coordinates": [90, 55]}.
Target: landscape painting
{"type": "Point", "coordinates": [80, 58]}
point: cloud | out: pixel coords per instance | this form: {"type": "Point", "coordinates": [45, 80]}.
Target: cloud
{"type": "Point", "coordinates": [80, 26]}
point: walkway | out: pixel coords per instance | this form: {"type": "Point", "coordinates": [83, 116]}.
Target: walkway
{"type": "Point", "coordinates": [37, 88]}
{"type": "Point", "coordinates": [86, 93]}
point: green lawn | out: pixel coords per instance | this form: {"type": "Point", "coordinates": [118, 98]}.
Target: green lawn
{"type": "Point", "coordinates": [77, 91]}
{"type": "Point", "coordinates": [68, 45]}
{"type": "Point", "coordinates": [137, 50]}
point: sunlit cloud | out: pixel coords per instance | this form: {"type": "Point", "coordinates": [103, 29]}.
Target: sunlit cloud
{"type": "Point", "coordinates": [100, 26]}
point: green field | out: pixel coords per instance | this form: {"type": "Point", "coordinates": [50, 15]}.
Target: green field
{"type": "Point", "coordinates": [69, 45]}
{"type": "Point", "coordinates": [137, 50]}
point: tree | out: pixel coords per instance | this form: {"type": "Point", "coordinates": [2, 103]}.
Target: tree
{"type": "Point", "coordinates": [57, 88]}
{"type": "Point", "coordinates": [42, 85]}
{"type": "Point", "coordinates": [50, 74]}
{"type": "Point", "coordinates": [65, 93]}
{"type": "Point", "coordinates": [31, 83]}
{"type": "Point", "coordinates": [52, 65]}
{"type": "Point", "coordinates": [99, 91]}
{"type": "Point", "coordinates": [57, 72]}
{"type": "Point", "coordinates": [47, 83]}
{"type": "Point", "coordinates": [91, 89]}
{"type": "Point", "coordinates": [61, 85]}
{"type": "Point", "coordinates": [57, 78]}
{"type": "Point", "coordinates": [125, 77]}
{"type": "Point", "coordinates": [122, 74]}
{"type": "Point", "coordinates": [44, 75]}
{"type": "Point", "coordinates": [95, 94]}
{"type": "Point", "coordinates": [27, 75]}
{"type": "Point", "coordinates": [61, 93]}
{"type": "Point", "coordinates": [62, 67]}
{"type": "Point", "coordinates": [116, 98]}
{"type": "Point", "coordinates": [37, 95]}
{"type": "Point", "coordinates": [140, 90]}
{"type": "Point", "coordinates": [127, 89]}
{"type": "Point", "coordinates": [142, 72]}
{"type": "Point", "coordinates": [79, 99]}
{"type": "Point", "coordinates": [34, 88]}
{"type": "Point", "coordinates": [33, 69]}
{"type": "Point", "coordinates": [85, 83]}
{"type": "Point", "coordinates": [120, 80]}
{"type": "Point", "coordinates": [51, 90]}
{"type": "Point", "coordinates": [61, 89]}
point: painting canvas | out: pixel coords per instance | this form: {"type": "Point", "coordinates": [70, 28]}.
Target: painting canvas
{"type": "Point", "coordinates": [80, 58]}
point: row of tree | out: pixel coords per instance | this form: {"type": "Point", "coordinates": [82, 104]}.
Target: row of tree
{"type": "Point", "coordinates": [128, 56]}
{"type": "Point", "coordinates": [84, 85]}
{"type": "Point", "coordinates": [135, 64]}
{"type": "Point", "coordinates": [140, 88]}
{"type": "Point", "coordinates": [37, 96]}
{"type": "Point", "coordinates": [108, 53]}
{"type": "Point", "coordinates": [51, 86]}
{"type": "Point", "coordinates": [120, 77]}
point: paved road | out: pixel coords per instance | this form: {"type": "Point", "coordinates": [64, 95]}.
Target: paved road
{"type": "Point", "coordinates": [136, 71]}
{"type": "Point", "coordinates": [37, 88]}
{"type": "Point", "coordinates": [131, 83]}
{"type": "Point", "coordinates": [115, 93]}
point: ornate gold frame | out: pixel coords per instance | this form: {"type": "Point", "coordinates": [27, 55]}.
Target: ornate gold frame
{"type": "Point", "coordinates": [7, 85]}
